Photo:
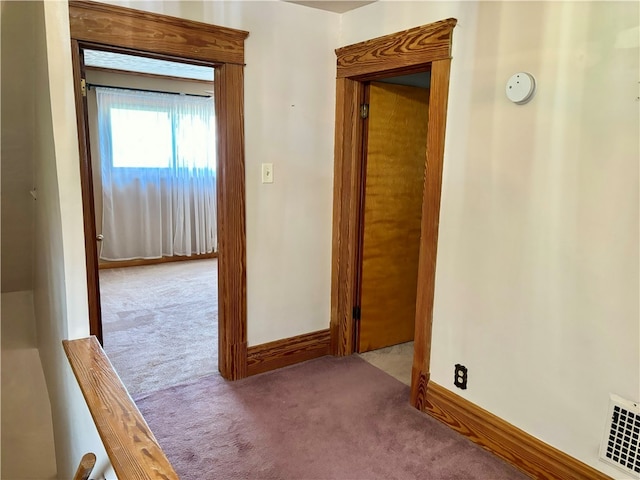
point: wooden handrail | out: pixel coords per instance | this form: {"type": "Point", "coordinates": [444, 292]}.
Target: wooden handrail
{"type": "Point", "coordinates": [132, 448]}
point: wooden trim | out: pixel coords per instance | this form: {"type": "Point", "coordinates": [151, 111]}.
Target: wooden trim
{"type": "Point", "coordinates": [149, 75]}
{"type": "Point", "coordinates": [415, 50]}
{"type": "Point", "coordinates": [139, 30]}
{"type": "Point", "coordinates": [88, 205]}
{"type": "Point", "coordinates": [429, 229]}
{"type": "Point", "coordinates": [141, 33]}
{"type": "Point", "coordinates": [105, 265]}
{"type": "Point", "coordinates": [132, 448]}
{"type": "Point", "coordinates": [346, 200]}
{"type": "Point", "coordinates": [288, 351]}
{"type": "Point", "coordinates": [396, 52]}
{"type": "Point", "coordinates": [232, 295]}
{"type": "Point", "coordinates": [532, 456]}
{"type": "Point", "coordinates": [360, 191]}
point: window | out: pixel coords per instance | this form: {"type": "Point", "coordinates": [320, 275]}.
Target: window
{"type": "Point", "coordinates": [141, 138]}
{"type": "Point", "coordinates": [148, 130]}
{"type": "Point", "coordinates": [157, 162]}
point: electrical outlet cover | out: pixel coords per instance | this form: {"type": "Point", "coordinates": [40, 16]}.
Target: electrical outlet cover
{"type": "Point", "coordinates": [460, 378]}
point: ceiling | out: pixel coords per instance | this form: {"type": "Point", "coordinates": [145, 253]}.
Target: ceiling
{"type": "Point", "coordinates": [337, 6]}
{"type": "Point", "coordinates": [132, 63]}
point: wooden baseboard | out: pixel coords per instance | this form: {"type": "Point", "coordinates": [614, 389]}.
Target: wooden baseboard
{"type": "Point", "coordinates": [288, 351]}
{"type": "Point", "coordinates": [525, 452]}
{"type": "Point", "coordinates": [104, 264]}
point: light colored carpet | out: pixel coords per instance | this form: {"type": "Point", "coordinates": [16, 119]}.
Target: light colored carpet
{"type": "Point", "coordinates": [160, 323]}
{"type": "Point", "coordinates": [395, 360]}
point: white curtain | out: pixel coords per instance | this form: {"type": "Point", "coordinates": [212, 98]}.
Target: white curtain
{"type": "Point", "coordinates": [158, 161]}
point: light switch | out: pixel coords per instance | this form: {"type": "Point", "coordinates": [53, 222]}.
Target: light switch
{"type": "Point", "coordinates": [267, 173]}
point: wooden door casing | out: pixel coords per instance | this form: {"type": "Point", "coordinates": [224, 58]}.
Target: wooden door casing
{"type": "Point", "coordinates": [142, 33]}
{"type": "Point", "coordinates": [424, 48]}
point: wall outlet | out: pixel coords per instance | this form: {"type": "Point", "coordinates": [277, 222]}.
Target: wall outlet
{"type": "Point", "coordinates": [460, 378]}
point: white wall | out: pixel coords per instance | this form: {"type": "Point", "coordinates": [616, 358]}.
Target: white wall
{"type": "Point", "coordinates": [27, 448]}
{"type": "Point", "coordinates": [60, 287]}
{"type": "Point", "coordinates": [537, 279]}
{"type": "Point", "coordinates": [537, 269]}
{"type": "Point", "coordinates": [289, 121]}
{"type": "Point", "coordinates": [17, 165]}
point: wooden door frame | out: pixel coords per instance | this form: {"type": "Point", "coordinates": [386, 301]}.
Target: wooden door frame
{"type": "Point", "coordinates": [401, 53]}
{"type": "Point", "coordinates": [160, 36]}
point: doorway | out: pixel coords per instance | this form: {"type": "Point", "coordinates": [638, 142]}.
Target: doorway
{"type": "Point", "coordinates": [395, 133]}
{"type": "Point", "coordinates": [416, 50]}
{"type": "Point", "coordinates": [190, 42]}
{"type": "Point", "coordinates": [393, 157]}
{"type": "Point", "coordinates": [151, 127]}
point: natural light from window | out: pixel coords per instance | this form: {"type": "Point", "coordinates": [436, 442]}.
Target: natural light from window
{"type": "Point", "coordinates": [141, 139]}
{"type": "Point", "coordinates": [190, 133]}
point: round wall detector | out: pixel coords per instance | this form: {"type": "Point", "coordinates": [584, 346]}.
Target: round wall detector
{"type": "Point", "coordinates": [520, 88]}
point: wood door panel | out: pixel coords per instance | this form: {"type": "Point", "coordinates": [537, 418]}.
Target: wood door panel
{"type": "Point", "coordinates": [396, 154]}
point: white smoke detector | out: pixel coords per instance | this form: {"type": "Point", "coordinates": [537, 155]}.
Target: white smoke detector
{"type": "Point", "coordinates": [520, 87]}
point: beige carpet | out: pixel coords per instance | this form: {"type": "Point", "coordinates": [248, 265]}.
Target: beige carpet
{"type": "Point", "coordinates": [395, 360]}
{"type": "Point", "coordinates": [160, 323]}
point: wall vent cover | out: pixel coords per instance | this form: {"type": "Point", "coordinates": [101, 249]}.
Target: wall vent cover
{"type": "Point", "coordinates": [622, 435]}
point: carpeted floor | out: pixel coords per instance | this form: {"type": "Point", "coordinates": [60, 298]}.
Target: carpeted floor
{"type": "Point", "coordinates": [330, 418]}
{"type": "Point", "coordinates": [160, 322]}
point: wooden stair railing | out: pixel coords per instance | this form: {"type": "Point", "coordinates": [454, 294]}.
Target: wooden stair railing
{"type": "Point", "coordinates": [86, 467]}
{"type": "Point", "coordinates": [132, 448]}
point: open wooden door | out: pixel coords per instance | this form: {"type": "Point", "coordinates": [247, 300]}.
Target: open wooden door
{"type": "Point", "coordinates": [394, 184]}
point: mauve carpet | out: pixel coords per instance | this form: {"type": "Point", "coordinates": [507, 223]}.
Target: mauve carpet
{"type": "Point", "coordinates": [330, 418]}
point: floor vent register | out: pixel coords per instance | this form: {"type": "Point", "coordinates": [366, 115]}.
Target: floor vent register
{"type": "Point", "coordinates": [621, 439]}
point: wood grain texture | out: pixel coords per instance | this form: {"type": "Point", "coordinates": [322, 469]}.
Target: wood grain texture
{"type": "Point", "coordinates": [129, 28]}
{"type": "Point", "coordinates": [395, 167]}
{"type": "Point", "coordinates": [105, 265]}
{"type": "Point", "coordinates": [362, 172]}
{"type": "Point", "coordinates": [429, 229]}
{"type": "Point", "coordinates": [232, 281]}
{"type": "Point", "coordinates": [364, 61]}
{"type": "Point", "coordinates": [517, 447]}
{"type": "Point", "coordinates": [335, 322]}
{"type": "Point", "coordinates": [400, 50]}
{"type": "Point", "coordinates": [347, 185]}
{"type": "Point", "coordinates": [132, 448]}
{"type": "Point", "coordinates": [88, 205]}
{"type": "Point", "coordinates": [288, 351]}
{"type": "Point", "coordinates": [85, 468]}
